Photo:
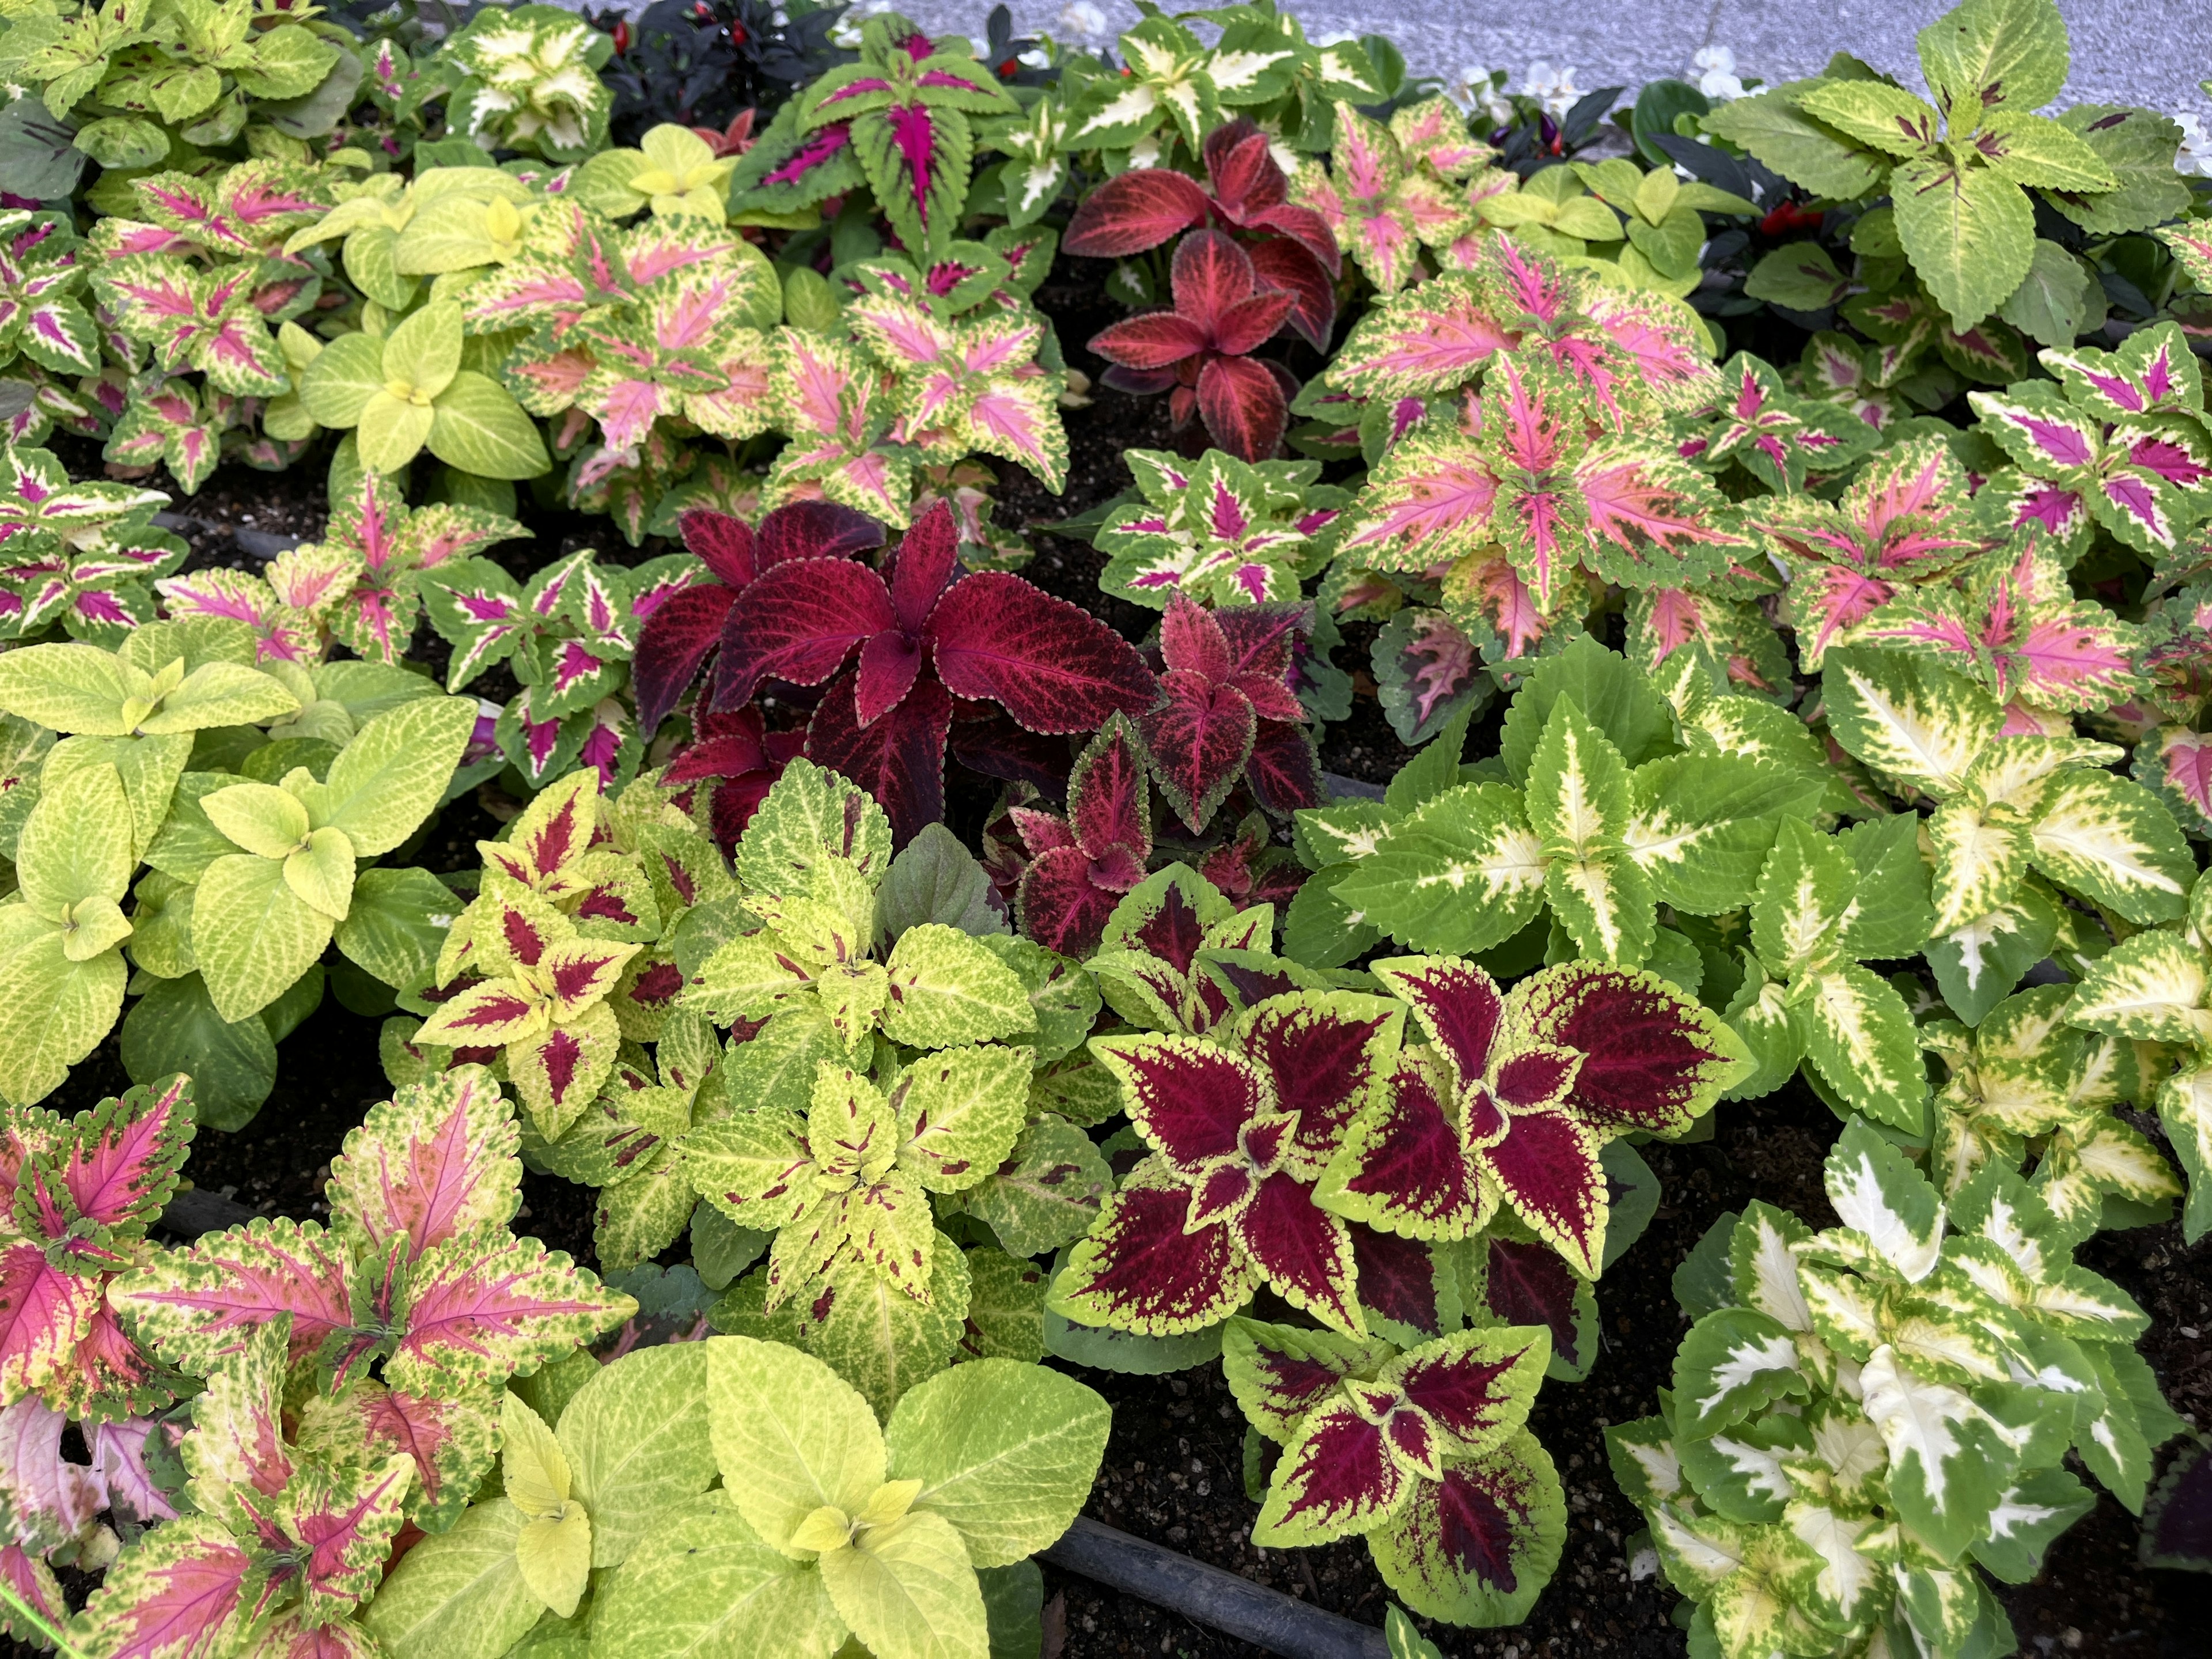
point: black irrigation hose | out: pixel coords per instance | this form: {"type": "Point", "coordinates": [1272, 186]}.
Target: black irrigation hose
{"type": "Point", "coordinates": [1208, 1595]}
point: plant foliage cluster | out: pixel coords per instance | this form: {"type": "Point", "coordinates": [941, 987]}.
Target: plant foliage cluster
{"type": "Point", "coordinates": [1779, 532]}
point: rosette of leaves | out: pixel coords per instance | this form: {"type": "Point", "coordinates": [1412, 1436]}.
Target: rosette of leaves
{"type": "Point", "coordinates": [1240, 1125]}
{"type": "Point", "coordinates": [1778, 439]}
{"type": "Point", "coordinates": [1968, 171]}
{"type": "Point", "coordinates": [77, 554]}
{"type": "Point", "coordinates": [199, 66]}
{"type": "Point", "coordinates": [81, 1193]}
{"type": "Point", "coordinates": [2023, 1079]}
{"type": "Point", "coordinates": [42, 313]}
{"type": "Point", "coordinates": [1389, 191]}
{"type": "Point", "coordinates": [1221, 531]}
{"type": "Point", "coordinates": [417, 1279]}
{"type": "Point", "coordinates": [1291, 246]}
{"type": "Point", "coordinates": [1230, 713]}
{"type": "Point", "coordinates": [2155, 988]}
{"type": "Point", "coordinates": [530, 81]}
{"type": "Point", "coordinates": [446, 219]}
{"type": "Point", "coordinates": [1515, 1097]}
{"type": "Point", "coordinates": [2119, 442]}
{"type": "Point", "coordinates": [1608, 822]}
{"type": "Point", "coordinates": [1632, 355]}
{"type": "Point", "coordinates": [1424, 1452]}
{"type": "Point", "coordinates": [1864, 1417]}
{"type": "Point", "coordinates": [1662, 215]}
{"type": "Point", "coordinates": [406, 390]}
{"type": "Point", "coordinates": [904, 109]}
{"type": "Point", "coordinates": [826, 1523]}
{"type": "Point", "coordinates": [925, 634]}
{"type": "Point", "coordinates": [2005, 804]}
{"type": "Point", "coordinates": [674, 172]}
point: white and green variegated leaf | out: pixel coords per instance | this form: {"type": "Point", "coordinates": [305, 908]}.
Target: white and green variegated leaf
{"type": "Point", "coordinates": [1854, 1550]}
{"type": "Point", "coordinates": [1579, 802]}
{"type": "Point", "coordinates": [1733, 1362]}
{"type": "Point", "coordinates": [1646, 1465]}
{"type": "Point", "coordinates": [1739, 1471]}
{"type": "Point", "coordinates": [948, 987]}
{"type": "Point", "coordinates": [1763, 1268]}
{"type": "Point", "coordinates": [1751, 1579]}
{"type": "Point", "coordinates": [2031, 1512]}
{"type": "Point", "coordinates": [2185, 1110]}
{"type": "Point", "coordinates": [1701, 826]}
{"type": "Point", "coordinates": [1949, 1459]}
{"type": "Point", "coordinates": [1464, 872]}
{"type": "Point", "coordinates": [1807, 900]}
{"type": "Point", "coordinates": [2114, 842]}
{"type": "Point", "coordinates": [1979, 863]}
{"type": "Point", "coordinates": [1772, 1035]}
{"type": "Point", "coordinates": [1881, 1196]}
{"type": "Point", "coordinates": [1906, 718]}
{"type": "Point", "coordinates": [1844, 1312]}
{"type": "Point", "coordinates": [2122, 1422]}
{"type": "Point", "coordinates": [2154, 988]}
{"type": "Point", "coordinates": [1977, 963]}
{"type": "Point", "coordinates": [1859, 1033]}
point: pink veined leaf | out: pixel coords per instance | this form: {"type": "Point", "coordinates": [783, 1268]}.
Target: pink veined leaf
{"type": "Point", "coordinates": [44, 1313]}
{"type": "Point", "coordinates": [1133, 211]}
{"type": "Point", "coordinates": [46, 1494]}
{"type": "Point", "coordinates": [346, 1517]}
{"type": "Point", "coordinates": [451, 1441]}
{"type": "Point", "coordinates": [186, 1592]}
{"type": "Point", "coordinates": [434, 1161]}
{"type": "Point", "coordinates": [800, 622]}
{"type": "Point", "coordinates": [484, 1306]}
{"type": "Point", "coordinates": [1433, 339]}
{"type": "Point", "coordinates": [1106, 801]}
{"type": "Point", "coordinates": [1049, 664]}
{"type": "Point", "coordinates": [197, 1305]}
{"type": "Point", "coordinates": [122, 1167]}
{"type": "Point", "coordinates": [119, 1463]}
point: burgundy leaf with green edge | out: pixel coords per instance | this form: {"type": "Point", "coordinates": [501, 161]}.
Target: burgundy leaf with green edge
{"type": "Point", "coordinates": [1279, 1373]}
{"type": "Point", "coordinates": [1399, 1279]}
{"type": "Point", "coordinates": [1479, 1546]}
{"type": "Point", "coordinates": [1402, 1169]}
{"type": "Point", "coordinates": [1137, 1270]}
{"type": "Point", "coordinates": [1197, 742]}
{"type": "Point", "coordinates": [1652, 1059]}
{"type": "Point", "coordinates": [1080, 866]}
{"type": "Point", "coordinates": [1530, 1285]}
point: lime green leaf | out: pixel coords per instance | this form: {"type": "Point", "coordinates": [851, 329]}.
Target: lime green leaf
{"type": "Point", "coordinates": [636, 1439]}
{"type": "Point", "coordinates": [1969, 232]}
{"type": "Point", "coordinates": [55, 1010]}
{"type": "Point", "coordinates": [320, 874]}
{"type": "Point", "coordinates": [1996, 55]}
{"type": "Point", "coordinates": [252, 935]}
{"type": "Point", "coordinates": [480, 428]}
{"type": "Point", "coordinates": [789, 1434]}
{"type": "Point", "coordinates": [1773, 128]}
{"type": "Point", "coordinates": [458, 1594]}
{"type": "Point", "coordinates": [702, 1583]}
{"type": "Point", "coordinates": [345, 374]}
{"type": "Point", "coordinates": [908, 1590]}
{"type": "Point", "coordinates": [424, 352]}
{"type": "Point", "coordinates": [946, 988]}
{"type": "Point", "coordinates": [75, 845]}
{"type": "Point", "coordinates": [394, 773]}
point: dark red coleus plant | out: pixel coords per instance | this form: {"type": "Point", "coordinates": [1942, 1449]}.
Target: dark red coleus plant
{"type": "Point", "coordinates": [1228, 711]}
{"type": "Point", "coordinates": [1202, 346]}
{"type": "Point", "coordinates": [1515, 1095]}
{"type": "Point", "coordinates": [926, 635]}
{"type": "Point", "coordinates": [1080, 866]}
{"type": "Point", "coordinates": [1241, 1123]}
{"type": "Point", "coordinates": [690, 623]}
{"type": "Point", "coordinates": [1292, 247]}
{"type": "Point", "coordinates": [737, 760]}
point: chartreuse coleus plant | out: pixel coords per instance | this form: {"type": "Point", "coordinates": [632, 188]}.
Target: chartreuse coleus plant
{"type": "Point", "coordinates": [2154, 989]}
{"type": "Point", "coordinates": [2005, 806]}
{"type": "Point", "coordinates": [1426, 1453]}
{"type": "Point", "coordinates": [737, 1490]}
{"type": "Point", "coordinates": [1220, 531]}
{"type": "Point", "coordinates": [76, 555]}
{"type": "Point", "coordinates": [1593, 812]}
{"type": "Point", "coordinates": [445, 220]}
{"type": "Point", "coordinates": [81, 1193]}
{"type": "Point", "coordinates": [2023, 1079]}
{"type": "Point", "coordinates": [1862, 1417]}
{"type": "Point", "coordinates": [1967, 172]}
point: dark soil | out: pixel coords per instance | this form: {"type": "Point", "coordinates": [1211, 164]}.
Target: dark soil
{"type": "Point", "coordinates": [1173, 1468]}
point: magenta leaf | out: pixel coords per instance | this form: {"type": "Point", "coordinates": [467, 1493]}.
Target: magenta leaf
{"type": "Point", "coordinates": [123, 1162]}
{"type": "Point", "coordinates": [1133, 211]}
{"type": "Point", "coordinates": [484, 1306]}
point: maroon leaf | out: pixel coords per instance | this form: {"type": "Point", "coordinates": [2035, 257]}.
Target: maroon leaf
{"type": "Point", "coordinates": [1547, 1166]}
{"type": "Point", "coordinates": [923, 565]}
{"type": "Point", "coordinates": [1322, 1054]}
{"type": "Point", "coordinates": [1190, 1098]}
{"type": "Point", "coordinates": [1304, 1251]}
{"type": "Point", "coordinates": [1241, 166]}
{"type": "Point", "coordinates": [1644, 1066]}
{"type": "Point", "coordinates": [899, 758]}
{"type": "Point", "coordinates": [1192, 640]}
{"type": "Point", "coordinates": [1250, 324]}
{"type": "Point", "coordinates": [1139, 1271]}
{"type": "Point", "coordinates": [889, 664]}
{"type": "Point", "coordinates": [1134, 210]}
{"type": "Point", "coordinates": [1059, 905]}
{"type": "Point", "coordinates": [1198, 741]}
{"type": "Point", "coordinates": [1397, 1279]}
{"type": "Point", "coordinates": [723, 543]}
{"type": "Point", "coordinates": [993, 744]}
{"type": "Point", "coordinates": [1403, 1169]}
{"type": "Point", "coordinates": [1338, 1476]}
{"type": "Point", "coordinates": [1530, 1285]}
{"type": "Point", "coordinates": [1150, 341]}
{"type": "Point", "coordinates": [800, 622]}
{"type": "Point", "coordinates": [1312, 235]}
{"type": "Point", "coordinates": [1282, 770]}
{"type": "Point", "coordinates": [1107, 806]}
{"type": "Point", "coordinates": [1209, 274]}
{"type": "Point", "coordinates": [1288, 266]}
{"type": "Point", "coordinates": [1244, 406]}
{"type": "Point", "coordinates": [1457, 1005]}
{"type": "Point", "coordinates": [675, 640]}
{"type": "Point", "coordinates": [1051, 664]}
{"type": "Point", "coordinates": [816, 530]}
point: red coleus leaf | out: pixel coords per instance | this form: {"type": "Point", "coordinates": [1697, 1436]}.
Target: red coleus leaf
{"type": "Point", "coordinates": [800, 622]}
{"type": "Point", "coordinates": [1133, 211]}
{"type": "Point", "coordinates": [1244, 406]}
{"type": "Point", "coordinates": [898, 757]}
{"type": "Point", "coordinates": [1210, 276]}
{"type": "Point", "coordinates": [1197, 741]}
{"type": "Point", "coordinates": [1651, 1058]}
{"type": "Point", "coordinates": [1051, 664]}
{"type": "Point", "coordinates": [1530, 1285]}
{"type": "Point", "coordinates": [1155, 340]}
{"type": "Point", "coordinates": [1398, 1279]}
{"type": "Point", "coordinates": [1402, 1169]}
{"type": "Point", "coordinates": [1289, 266]}
{"type": "Point", "coordinates": [1190, 1097]}
{"type": "Point", "coordinates": [1547, 1165]}
{"type": "Point", "coordinates": [1305, 1252]}
{"type": "Point", "coordinates": [1283, 771]}
{"type": "Point", "coordinates": [1137, 1270]}
{"type": "Point", "coordinates": [674, 642]}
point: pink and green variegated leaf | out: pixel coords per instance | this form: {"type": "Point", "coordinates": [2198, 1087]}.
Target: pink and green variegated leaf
{"type": "Point", "coordinates": [1139, 1271]}
{"type": "Point", "coordinates": [345, 1517]}
{"type": "Point", "coordinates": [122, 1163]}
{"type": "Point", "coordinates": [1429, 340]}
{"type": "Point", "coordinates": [2040, 428]}
{"type": "Point", "coordinates": [1336, 1478]}
{"type": "Point", "coordinates": [1653, 521]}
{"type": "Point", "coordinates": [186, 1590]}
{"type": "Point", "coordinates": [198, 1305]}
{"type": "Point", "coordinates": [2154, 481]}
{"type": "Point", "coordinates": [281, 631]}
{"type": "Point", "coordinates": [1654, 1060]}
{"type": "Point", "coordinates": [484, 1306]}
{"type": "Point", "coordinates": [2176, 764]}
{"type": "Point", "coordinates": [1401, 1168]}
{"type": "Point", "coordinates": [2153, 373]}
{"type": "Point", "coordinates": [1433, 134]}
{"type": "Point", "coordinates": [452, 1442]}
{"type": "Point", "coordinates": [288, 1636]}
{"type": "Point", "coordinates": [916, 157]}
{"type": "Point", "coordinates": [46, 1313]}
{"type": "Point", "coordinates": [1281, 1373]}
{"type": "Point", "coordinates": [476, 608]}
{"type": "Point", "coordinates": [236, 1454]}
{"type": "Point", "coordinates": [1478, 1546]}
{"type": "Point", "coordinates": [2191, 242]}
{"type": "Point", "coordinates": [437, 1158]}
{"type": "Point", "coordinates": [1430, 501]}
{"type": "Point", "coordinates": [551, 837]}
{"type": "Point", "coordinates": [1545, 1167]}
{"type": "Point", "coordinates": [1653, 352]}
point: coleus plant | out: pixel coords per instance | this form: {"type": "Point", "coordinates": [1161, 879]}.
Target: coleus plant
{"type": "Point", "coordinates": [1424, 1452]}
{"type": "Point", "coordinates": [417, 1279]}
{"type": "Point", "coordinates": [822, 1521]}
{"type": "Point", "coordinates": [530, 81]}
{"type": "Point", "coordinates": [54, 1503]}
{"type": "Point", "coordinates": [1390, 190]}
{"type": "Point", "coordinates": [1292, 246]}
{"type": "Point", "coordinates": [1201, 349]}
{"type": "Point", "coordinates": [925, 634]}
{"type": "Point", "coordinates": [1228, 674]}
{"type": "Point", "coordinates": [1862, 1417]}
{"type": "Point", "coordinates": [1221, 531]}
{"type": "Point", "coordinates": [79, 555]}
{"type": "Point", "coordinates": [1780, 440]}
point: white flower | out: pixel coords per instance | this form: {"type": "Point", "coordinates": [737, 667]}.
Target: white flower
{"type": "Point", "coordinates": [1037, 57]}
{"type": "Point", "coordinates": [1081, 20]}
{"type": "Point", "coordinates": [1717, 76]}
{"type": "Point", "coordinates": [1335, 38]}
{"type": "Point", "coordinates": [1474, 89]}
{"type": "Point", "coordinates": [2196, 152]}
{"type": "Point", "coordinates": [1554, 88]}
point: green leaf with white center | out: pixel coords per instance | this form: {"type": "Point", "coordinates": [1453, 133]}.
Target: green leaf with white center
{"type": "Point", "coordinates": [909, 1591]}
{"type": "Point", "coordinates": [948, 987]}
{"type": "Point", "coordinates": [1006, 1452]}
{"type": "Point", "coordinates": [1753, 1579]}
{"type": "Point", "coordinates": [958, 1113]}
{"type": "Point", "coordinates": [1879, 1194]}
{"type": "Point", "coordinates": [1578, 804]}
{"type": "Point", "coordinates": [1977, 964]}
{"type": "Point", "coordinates": [1979, 864]}
{"type": "Point", "coordinates": [2154, 988]}
{"type": "Point", "coordinates": [2184, 1111]}
{"type": "Point", "coordinates": [2030, 1514]}
{"type": "Point", "coordinates": [1701, 827]}
{"type": "Point", "coordinates": [1735, 1361]}
{"type": "Point", "coordinates": [252, 935]}
{"type": "Point", "coordinates": [395, 771]}
{"type": "Point", "coordinates": [1844, 1313]}
{"type": "Point", "coordinates": [1807, 900]}
{"type": "Point", "coordinates": [1464, 873]}
{"type": "Point", "coordinates": [2122, 1422]}
{"type": "Point", "coordinates": [2114, 842]}
{"type": "Point", "coordinates": [702, 1583]}
{"type": "Point", "coordinates": [1738, 1471]}
{"type": "Point", "coordinates": [1859, 1033]}
{"type": "Point", "coordinates": [1646, 1465]}
{"type": "Point", "coordinates": [1772, 1033]}
{"type": "Point", "coordinates": [1855, 1551]}
{"type": "Point", "coordinates": [1907, 718]}
{"type": "Point", "coordinates": [1949, 1459]}
{"type": "Point", "coordinates": [636, 1440]}
{"type": "Point", "coordinates": [790, 1436]}
{"type": "Point", "coordinates": [1762, 1268]}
